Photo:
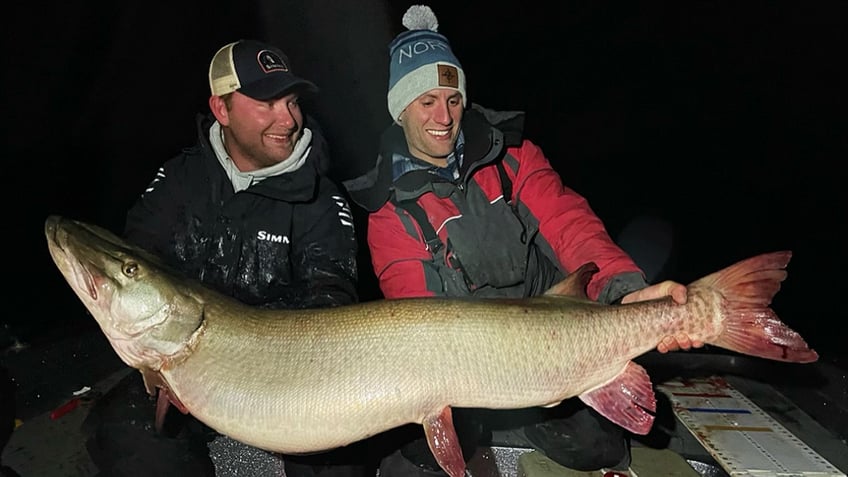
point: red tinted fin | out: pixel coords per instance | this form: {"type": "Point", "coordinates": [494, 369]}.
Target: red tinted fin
{"type": "Point", "coordinates": [163, 400]}
{"type": "Point", "coordinates": [751, 327]}
{"type": "Point", "coordinates": [443, 442]}
{"type": "Point", "coordinates": [625, 399]}
{"type": "Point", "coordinates": [153, 381]}
{"type": "Point", "coordinates": [162, 405]}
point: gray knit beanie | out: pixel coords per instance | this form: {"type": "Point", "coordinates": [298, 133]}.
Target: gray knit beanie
{"type": "Point", "coordinates": [421, 60]}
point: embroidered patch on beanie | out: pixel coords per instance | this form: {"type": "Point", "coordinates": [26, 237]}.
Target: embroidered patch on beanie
{"type": "Point", "coordinates": [421, 59]}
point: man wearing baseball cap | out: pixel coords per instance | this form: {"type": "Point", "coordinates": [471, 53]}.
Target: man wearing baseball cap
{"type": "Point", "coordinates": [250, 212]}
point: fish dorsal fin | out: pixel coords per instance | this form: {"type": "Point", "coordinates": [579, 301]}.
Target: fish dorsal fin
{"type": "Point", "coordinates": [574, 284]}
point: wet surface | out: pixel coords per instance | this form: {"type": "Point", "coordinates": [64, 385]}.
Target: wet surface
{"type": "Point", "coordinates": [47, 373]}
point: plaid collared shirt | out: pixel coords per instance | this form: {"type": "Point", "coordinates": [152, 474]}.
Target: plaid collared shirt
{"type": "Point", "coordinates": [402, 164]}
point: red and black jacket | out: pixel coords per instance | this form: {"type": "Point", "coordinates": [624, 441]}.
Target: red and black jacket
{"type": "Point", "coordinates": [506, 227]}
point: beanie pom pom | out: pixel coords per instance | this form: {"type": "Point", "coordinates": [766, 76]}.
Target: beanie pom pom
{"type": "Point", "coordinates": [420, 17]}
{"type": "Point", "coordinates": [421, 59]}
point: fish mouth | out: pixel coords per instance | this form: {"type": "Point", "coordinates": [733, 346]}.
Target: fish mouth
{"type": "Point", "coordinates": [86, 277]}
{"type": "Point", "coordinates": [70, 266]}
{"type": "Point", "coordinates": [93, 262]}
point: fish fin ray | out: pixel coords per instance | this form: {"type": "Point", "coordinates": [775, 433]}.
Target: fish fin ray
{"type": "Point", "coordinates": [162, 404]}
{"type": "Point", "coordinates": [154, 381]}
{"type": "Point", "coordinates": [626, 399]}
{"type": "Point", "coordinates": [165, 398]}
{"type": "Point", "coordinates": [444, 443]}
{"type": "Point", "coordinates": [574, 284]}
{"type": "Point", "coordinates": [751, 327]}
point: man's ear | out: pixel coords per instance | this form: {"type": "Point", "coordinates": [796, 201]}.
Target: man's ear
{"type": "Point", "coordinates": [219, 110]}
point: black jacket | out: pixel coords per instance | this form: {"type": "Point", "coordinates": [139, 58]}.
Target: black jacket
{"type": "Point", "coordinates": [285, 242]}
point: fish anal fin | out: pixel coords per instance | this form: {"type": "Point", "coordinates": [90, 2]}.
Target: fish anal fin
{"type": "Point", "coordinates": [444, 443]}
{"type": "Point", "coordinates": [574, 284]}
{"type": "Point", "coordinates": [625, 399]}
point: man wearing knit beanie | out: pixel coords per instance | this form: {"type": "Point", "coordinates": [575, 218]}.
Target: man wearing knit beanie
{"type": "Point", "coordinates": [421, 60]}
{"type": "Point", "coordinates": [461, 204]}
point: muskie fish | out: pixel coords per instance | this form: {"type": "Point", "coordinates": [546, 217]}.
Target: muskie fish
{"type": "Point", "coordinates": [304, 381]}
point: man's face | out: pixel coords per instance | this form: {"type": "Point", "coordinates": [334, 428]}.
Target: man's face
{"type": "Point", "coordinates": [261, 133]}
{"type": "Point", "coordinates": [431, 124]}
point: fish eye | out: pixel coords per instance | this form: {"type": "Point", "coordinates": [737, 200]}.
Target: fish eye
{"type": "Point", "coordinates": [130, 269]}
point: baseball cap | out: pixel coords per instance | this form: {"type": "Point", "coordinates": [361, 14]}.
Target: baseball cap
{"type": "Point", "coordinates": [254, 69]}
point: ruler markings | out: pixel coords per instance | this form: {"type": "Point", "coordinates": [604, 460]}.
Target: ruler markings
{"type": "Point", "coordinates": [743, 438]}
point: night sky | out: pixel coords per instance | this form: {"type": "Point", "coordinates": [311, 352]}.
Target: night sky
{"type": "Point", "coordinates": [726, 120]}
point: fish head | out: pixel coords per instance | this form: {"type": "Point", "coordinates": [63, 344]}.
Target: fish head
{"type": "Point", "coordinates": [147, 313]}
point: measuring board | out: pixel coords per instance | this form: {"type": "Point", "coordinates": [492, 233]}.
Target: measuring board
{"type": "Point", "coordinates": [740, 436]}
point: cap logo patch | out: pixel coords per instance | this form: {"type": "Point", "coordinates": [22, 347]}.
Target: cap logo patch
{"type": "Point", "coordinates": [270, 61]}
{"type": "Point", "coordinates": [448, 76]}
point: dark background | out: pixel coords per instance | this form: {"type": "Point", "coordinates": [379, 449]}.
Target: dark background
{"type": "Point", "coordinates": [727, 120]}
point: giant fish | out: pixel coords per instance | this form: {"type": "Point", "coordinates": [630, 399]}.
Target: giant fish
{"type": "Point", "coordinates": [306, 381]}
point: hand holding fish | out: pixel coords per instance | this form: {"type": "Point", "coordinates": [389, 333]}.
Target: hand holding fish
{"type": "Point", "coordinates": [323, 378]}
{"type": "Point", "coordinates": [678, 293]}
{"type": "Point", "coordinates": [675, 290]}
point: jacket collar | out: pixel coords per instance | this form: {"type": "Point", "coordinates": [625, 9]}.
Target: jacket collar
{"type": "Point", "coordinates": [300, 185]}
{"type": "Point", "coordinates": [484, 143]}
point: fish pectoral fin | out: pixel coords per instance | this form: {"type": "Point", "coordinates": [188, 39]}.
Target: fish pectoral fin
{"type": "Point", "coordinates": [165, 398]}
{"type": "Point", "coordinates": [444, 443]}
{"type": "Point", "coordinates": [154, 381]}
{"type": "Point", "coordinates": [161, 410]}
{"type": "Point", "coordinates": [625, 399]}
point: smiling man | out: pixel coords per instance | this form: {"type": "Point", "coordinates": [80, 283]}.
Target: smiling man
{"type": "Point", "coordinates": [462, 204]}
{"type": "Point", "coordinates": [249, 211]}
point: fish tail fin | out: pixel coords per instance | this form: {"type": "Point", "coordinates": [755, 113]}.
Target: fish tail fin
{"type": "Point", "coordinates": [751, 327]}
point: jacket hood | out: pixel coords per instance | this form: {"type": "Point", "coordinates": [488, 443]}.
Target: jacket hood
{"type": "Point", "coordinates": [482, 128]}
{"type": "Point", "coordinates": [300, 185]}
